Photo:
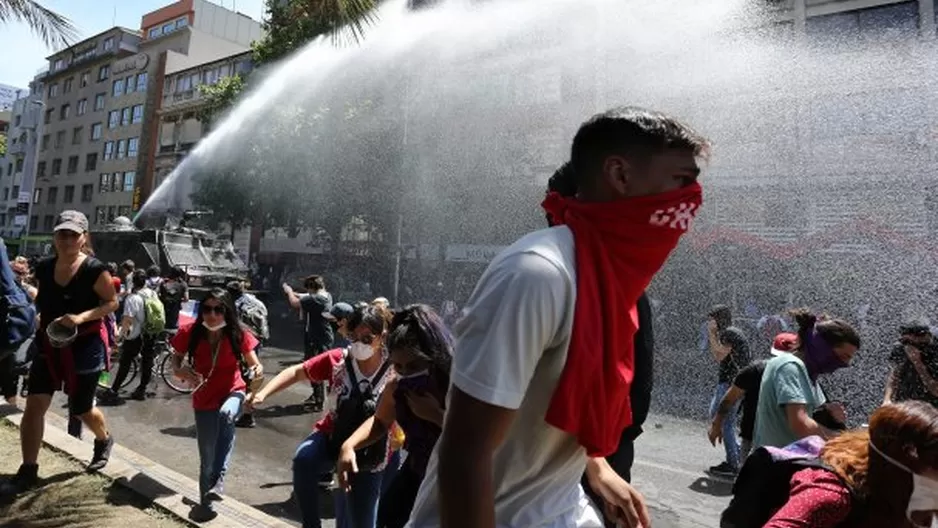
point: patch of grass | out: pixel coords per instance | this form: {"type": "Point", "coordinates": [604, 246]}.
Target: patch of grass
{"type": "Point", "coordinates": [69, 497]}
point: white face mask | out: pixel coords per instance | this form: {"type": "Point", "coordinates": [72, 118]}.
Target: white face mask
{"type": "Point", "coordinates": [361, 351]}
{"type": "Point", "coordinates": [215, 328]}
{"type": "Point", "coordinates": [924, 496]}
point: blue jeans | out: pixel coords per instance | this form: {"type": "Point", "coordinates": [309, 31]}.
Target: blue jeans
{"type": "Point", "coordinates": [215, 433]}
{"type": "Point", "coordinates": [730, 442]}
{"type": "Point", "coordinates": [357, 509]}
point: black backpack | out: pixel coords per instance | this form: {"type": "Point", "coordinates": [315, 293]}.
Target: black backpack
{"type": "Point", "coordinates": [17, 312]}
{"type": "Point", "coordinates": [764, 483]}
{"type": "Point", "coordinates": [352, 412]}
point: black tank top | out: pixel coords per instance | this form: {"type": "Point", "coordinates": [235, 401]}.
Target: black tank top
{"type": "Point", "coordinates": [75, 297]}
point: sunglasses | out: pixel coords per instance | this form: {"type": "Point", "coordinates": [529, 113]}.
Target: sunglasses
{"type": "Point", "coordinates": [366, 340]}
{"type": "Point", "coordinates": [217, 309]}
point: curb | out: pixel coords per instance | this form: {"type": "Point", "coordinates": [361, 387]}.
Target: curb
{"type": "Point", "coordinates": [164, 487]}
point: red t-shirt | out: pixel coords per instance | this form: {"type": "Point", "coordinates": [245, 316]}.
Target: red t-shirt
{"type": "Point", "coordinates": [326, 367]}
{"type": "Point", "coordinates": [226, 376]}
{"type": "Point", "coordinates": [116, 281]}
{"type": "Point", "coordinates": [818, 499]}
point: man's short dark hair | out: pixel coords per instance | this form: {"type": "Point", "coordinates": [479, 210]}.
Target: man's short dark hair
{"type": "Point", "coordinates": [722, 314]}
{"type": "Point", "coordinates": [629, 132]}
{"type": "Point", "coordinates": [128, 266]}
{"type": "Point", "coordinates": [139, 278]}
{"type": "Point", "coordinates": [314, 282]}
{"type": "Point", "coordinates": [153, 271]}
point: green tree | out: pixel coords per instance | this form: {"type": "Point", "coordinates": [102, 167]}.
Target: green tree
{"type": "Point", "coordinates": [218, 98]}
{"type": "Point", "coordinates": [55, 30]}
{"type": "Point", "coordinates": [3, 145]}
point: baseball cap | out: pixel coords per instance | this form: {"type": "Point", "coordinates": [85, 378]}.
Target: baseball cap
{"type": "Point", "coordinates": [381, 300]}
{"type": "Point", "coordinates": [784, 342]}
{"type": "Point", "coordinates": [339, 311]}
{"type": "Point", "coordinates": [71, 220]}
{"type": "Point", "coordinates": [917, 327]}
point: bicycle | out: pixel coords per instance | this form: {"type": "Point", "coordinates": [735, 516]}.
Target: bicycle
{"type": "Point", "coordinates": [162, 367]}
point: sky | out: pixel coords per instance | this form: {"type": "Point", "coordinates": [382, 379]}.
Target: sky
{"type": "Point", "coordinates": [26, 54]}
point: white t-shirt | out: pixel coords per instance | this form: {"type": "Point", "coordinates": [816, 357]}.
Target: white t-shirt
{"type": "Point", "coordinates": [133, 308]}
{"type": "Point", "coordinates": [511, 347]}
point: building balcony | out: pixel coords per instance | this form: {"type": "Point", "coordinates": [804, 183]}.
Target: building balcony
{"type": "Point", "coordinates": [18, 148]}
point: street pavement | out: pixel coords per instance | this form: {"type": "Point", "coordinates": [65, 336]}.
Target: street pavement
{"type": "Point", "coordinates": [671, 454]}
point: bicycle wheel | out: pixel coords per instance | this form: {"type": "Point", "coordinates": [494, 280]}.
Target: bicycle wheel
{"type": "Point", "coordinates": [166, 372]}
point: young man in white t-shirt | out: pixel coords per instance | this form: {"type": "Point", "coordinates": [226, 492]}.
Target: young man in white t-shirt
{"type": "Point", "coordinates": [499, 463]}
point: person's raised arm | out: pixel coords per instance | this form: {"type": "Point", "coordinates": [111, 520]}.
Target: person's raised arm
{"type": "Point", "coordinates": [318, 368]}
{"type": "Point", "coordinates": [514, 314]}
{"type": "Point", "coordinates": [292, 297]}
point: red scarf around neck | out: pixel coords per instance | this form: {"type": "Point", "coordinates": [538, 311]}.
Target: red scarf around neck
{"type": "Point", "coordinates": [620, 245]}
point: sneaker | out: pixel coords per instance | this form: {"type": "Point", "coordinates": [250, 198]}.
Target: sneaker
{"type": "Point", "coordinates": [102, 453]}
{"type": "Point", "coordinates": [26, 477]}
{"type": "Point", "coordinates": [246, 421]}
{"type": "Point", "coordinates": [139, 395]}
{"type": "Point", "coordinates": [723, 469]}
{"type": "Point", "coordinates": [214, 494]}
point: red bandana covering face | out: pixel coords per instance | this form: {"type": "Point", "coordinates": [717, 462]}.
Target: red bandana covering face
{"type": "Point", "coordinates": [620, 245]}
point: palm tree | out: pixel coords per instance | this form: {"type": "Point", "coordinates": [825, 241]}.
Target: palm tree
{"type": "Point", "coordinates": [54, 29]}
{"type": "Point", "coordinates": [354, 15]}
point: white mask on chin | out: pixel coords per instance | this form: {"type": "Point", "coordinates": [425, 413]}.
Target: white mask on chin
{"type": "Point", "coordinates": [924, 496]}
{"type": "Point", "coordinates": [361, 351]}
{"type": "Point", "coordinates": [215, 328]}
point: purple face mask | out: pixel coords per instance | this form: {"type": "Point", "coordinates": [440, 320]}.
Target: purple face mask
{"type": "Point", "coordinates": [820, 357]}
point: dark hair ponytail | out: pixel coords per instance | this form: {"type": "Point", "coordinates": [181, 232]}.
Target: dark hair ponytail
{"type": "Point", "coordinates": [834, 331]}
{"type": "Point", "coordinates": [419, 328]}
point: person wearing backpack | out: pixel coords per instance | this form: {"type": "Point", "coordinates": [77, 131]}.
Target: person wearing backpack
{"type": "Point", "coordinates": [878, 477]}
{"type": "Point", "coordinates": [19, 313]}
{"type": "Point", "coordinates": [357, 377]}
{"type": "Point", "coordinates": [144, 319]}
{"type": "Point", "coordinates": [174, 292]}
{"type": "Point", "coordinates": [253, 314]}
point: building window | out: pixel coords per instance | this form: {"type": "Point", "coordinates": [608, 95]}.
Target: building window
{"type": "Point", "coordinates": [53, 195]}
{"type": "Point", "coordinates": [142, 82]}
{"type": "Point", "coordinates": [37, 196]}
{"type": "Point", "coordinates": [33, 222]}
{"type": "Point", "coordinates": [104, 184]}
{"type": "Point", "coordinates": [138, 113]}
{"type": "Point", "coordinates": [17, 120]}
{"type": "Point", "coordinates": [6, 193]}
{"type": "Point", "coordinates": [182, 22]}
{"type": "Point", "coordinates": [100, 215]}
{"type": "Point", "coordinates": [99, 102]}
{"type": "Point", "coordinates": [85, 79]}
{"type": "Point", "coordinates": [63, 112]}
{"type": "Point", "coordinates": [109, 44]}
{"type": "Point", "coordinates": [87, 192]}
{"type": "Point", "coordinates": [47, 223]}
{"type": "Point", "coordinates": [169, 28]}
{"type": "Point", "coordinates": [131, 84]}
{"type": "Point", "coordinates": [132, 147]}
{"type": "Point", "coordinates": [104, 72]}
{"type": "Point", "coordinates": [125, 116]}
{"type": "Point", "coordinates": [108, 150]}
{"type": "Point", "coordinates": [69, 196]}
{"type": "Point", "coordinates": [124, 210]}
{"type": "Point", "coordinates": [155, 32]}
{"type": "Point", "coordinates": [91, 162]}
{"type": "Point", "coordinates": [67, 85]}
{"type": "Point", "coordinates": [116, 182]}
{"type": "Point", "coordinates": [48, 118]}
{"type": "Point", "coordinates": [58, 64]}
{"type": "Point", "coordinates": [57, 166]}
{"type": "Point", "coordinates": [59, 139]}
{"type": "Point", "coordinates": [117, 89]}
{"type": "Point", "coordinates": [111, 213]}
{"type": "Point", "coordinates": [19, 165]}
{"type": "Point", "coordinates": [121, 149]}
{"type": "Point", "coordinates": [41, 169]}
{"type": "Point", "coordinates": [113, 118]}
{"type": "Point", "coordinates": [16, 192]}
{"type": "Point", "coordinates": [96, 132]}
{"type": "Point", "coordinates": [45, 142]}
{"type": "Point", "coordinates": [53, 90]}
{"type": "Point", "coordinates": [76, 135]}
{"type": "Point", "coordinates": [129, 178]}
{"type": "Point", "coordinates": [72, 165]}
{"type": "Point", "coordinates": [82, 107]}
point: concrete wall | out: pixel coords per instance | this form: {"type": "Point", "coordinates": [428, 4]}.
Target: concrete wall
{"type": "Point", "coordinates": [224, 23]}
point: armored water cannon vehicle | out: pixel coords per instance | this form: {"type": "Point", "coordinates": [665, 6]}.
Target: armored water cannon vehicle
{"type": "Point", "coordinates": [209, 261]}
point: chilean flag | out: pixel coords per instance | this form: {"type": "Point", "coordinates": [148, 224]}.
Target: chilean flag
{"type": "Point", "coordinates": [188, 312]}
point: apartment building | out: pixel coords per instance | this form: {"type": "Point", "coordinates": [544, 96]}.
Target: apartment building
{"type": "Point", "coordinates": [17, 167]}
{"type": "Point", "coordinates": [100, 101]}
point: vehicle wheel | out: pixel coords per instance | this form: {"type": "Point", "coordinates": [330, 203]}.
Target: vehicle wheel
{"type": "Point", "coordinates": [166, 372]}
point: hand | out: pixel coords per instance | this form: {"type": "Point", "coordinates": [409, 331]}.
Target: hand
{"type": "Point", "coordinates": [712, 326]}
{"type": "Point", "coordinates": [425, 406]}
{"type": "Point", "coordinates": [69, 320]}
{"type": "Point", "coordinates": [258, 370]}
{"type": "Point", "coordinates": [838, 412]}
{"type": "Point", "coordinates": [287, 289]}
{"type": "Point", "coordinates": [188, 375]}
{"type": "Point", "coordinates": [346, 466]}
{"type": "Point", "coordinates": [255, 400]}
{"type": "Point", "coordinates": [623, 504]}
{"type": "Point", "coordinates": [716, 433]}
{"type": "Point", "coordinates": [913, 353]}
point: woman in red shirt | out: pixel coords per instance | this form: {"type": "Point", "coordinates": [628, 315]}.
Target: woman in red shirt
{"type": "Point", "coordinates": [367, 358]}
{"type": "Point", "coordinates": [891, 470]}
{"type": "Point", "coordinates": [215, 347]}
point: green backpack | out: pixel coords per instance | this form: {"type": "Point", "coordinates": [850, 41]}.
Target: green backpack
{"type": "Point", "coordinates": [155, 320]}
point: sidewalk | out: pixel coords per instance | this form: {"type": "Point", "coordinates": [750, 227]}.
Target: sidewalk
{"type": "Point", "coordinates": [168, 489]}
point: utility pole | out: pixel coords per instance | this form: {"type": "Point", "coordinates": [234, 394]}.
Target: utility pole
{"type": "Point", "coordinates": [28, 180]}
